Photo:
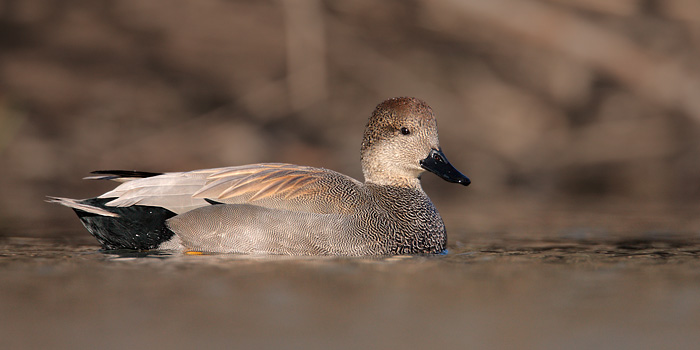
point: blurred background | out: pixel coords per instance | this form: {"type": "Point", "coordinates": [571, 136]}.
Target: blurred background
{"type": "Point", "coordinates": [549, 106]}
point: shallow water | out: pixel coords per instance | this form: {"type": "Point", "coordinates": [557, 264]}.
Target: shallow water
{"type": "Point", "coordinates": [569, 292]}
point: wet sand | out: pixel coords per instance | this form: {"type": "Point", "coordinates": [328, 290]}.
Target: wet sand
{"type": "Point", "coordinates": [504, 292]}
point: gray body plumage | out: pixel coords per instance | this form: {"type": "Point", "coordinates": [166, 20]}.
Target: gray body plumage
{"type": "Point", "coordinates": [381, 221]}
{"type": "Point", "coordinates": [276, 208]}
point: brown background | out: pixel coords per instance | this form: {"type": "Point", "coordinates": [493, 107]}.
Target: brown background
{"type": "Point", "coordinates": [577, 120]}
{"type": "Point", "coordinates": [547, 105]}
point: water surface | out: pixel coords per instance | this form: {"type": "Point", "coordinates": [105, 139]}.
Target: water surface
{"type": "Point", "coordinates": [570, 291]}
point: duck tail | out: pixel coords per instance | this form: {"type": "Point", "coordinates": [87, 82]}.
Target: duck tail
{"type": "Point", "coordinates": [119, 175]}
{"type": "Point", "coordinates": [137, 227]}
{"type": "Point", "coordinates": [80, 205]}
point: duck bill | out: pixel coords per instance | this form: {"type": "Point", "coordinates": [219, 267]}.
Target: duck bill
{"type": "Point", "coordinates": [437, 163]}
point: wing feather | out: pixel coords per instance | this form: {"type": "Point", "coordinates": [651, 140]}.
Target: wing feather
{"type": "Point", "coordinates": [272, 185]}
{"type": "Point", "coordinates": [262, 181]}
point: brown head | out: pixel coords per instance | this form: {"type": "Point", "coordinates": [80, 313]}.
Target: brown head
{"type": "Point", "coordinates": [400, 142]}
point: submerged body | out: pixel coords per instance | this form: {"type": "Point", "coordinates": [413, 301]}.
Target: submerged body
{"type": "Point", "coordinates": [287, 209]}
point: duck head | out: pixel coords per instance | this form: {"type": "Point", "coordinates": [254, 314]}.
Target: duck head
{"type": "Point", "coordinates": [401, 142]}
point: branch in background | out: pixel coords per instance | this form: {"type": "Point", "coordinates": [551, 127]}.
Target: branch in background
{"type": "Point", "coordinates": [663, 80]}
{"type": "Point", "coordinates": [306, 53]}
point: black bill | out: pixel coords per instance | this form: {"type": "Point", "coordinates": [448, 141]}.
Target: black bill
{"type": "Point", "coordinates": [437, 163]}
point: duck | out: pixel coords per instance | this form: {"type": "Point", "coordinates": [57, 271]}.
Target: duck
{"type": "Point", "coordinates": [287, 209]}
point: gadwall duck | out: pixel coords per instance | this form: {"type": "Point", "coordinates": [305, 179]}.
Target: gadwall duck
{"type": "Point", "coordinates": [275, 208]}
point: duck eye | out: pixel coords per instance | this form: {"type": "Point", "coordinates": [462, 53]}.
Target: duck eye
{"type": "Point", "coordinates": [405, 131]}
